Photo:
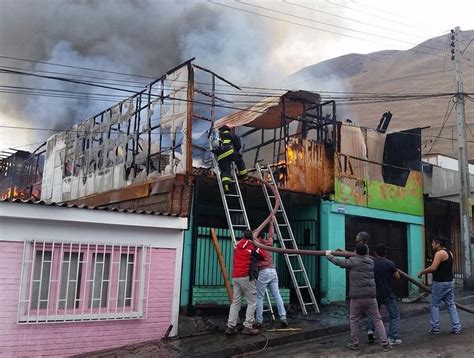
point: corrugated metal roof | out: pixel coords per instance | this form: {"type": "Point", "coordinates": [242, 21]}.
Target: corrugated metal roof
{"type": "Point", "coordinates": [103, 208]}
{"type": "Point", "coordinates": [266, 114]}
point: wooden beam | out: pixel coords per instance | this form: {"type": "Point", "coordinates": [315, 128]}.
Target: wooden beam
{"type": "Point", "coordinates": [222, 265]}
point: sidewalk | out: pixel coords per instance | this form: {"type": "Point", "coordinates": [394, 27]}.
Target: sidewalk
{"type": "Point", "coordinates": [204, 336]}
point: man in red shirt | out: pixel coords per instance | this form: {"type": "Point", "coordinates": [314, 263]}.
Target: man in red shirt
{"type": "Point", "coordinates": [268, 277]}
{"type": "Point", "coordinates": [244, 275]}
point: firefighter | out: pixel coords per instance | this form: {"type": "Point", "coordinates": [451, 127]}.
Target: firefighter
{"type": "Point", "coordinates": [228, 152]}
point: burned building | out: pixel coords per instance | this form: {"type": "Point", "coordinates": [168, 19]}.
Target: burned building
{"type": "Point", "coordinates": [21, 174]}
{"type": "Point", "coordinates": [150, 152]}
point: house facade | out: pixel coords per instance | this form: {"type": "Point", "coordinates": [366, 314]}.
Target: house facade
{"type": "Point", "coordinates": [81, 279]}
{"type": "Point", "coordinates": [150, 152]}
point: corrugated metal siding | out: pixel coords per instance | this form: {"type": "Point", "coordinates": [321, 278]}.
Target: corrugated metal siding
{"type": "Point", "coordinates": [103, 208]}
{"type": "Point", "coordinates": [310, 167]}
{"type": "Point", "coordinates": [409, 157]}
{"type": "Point", "coordinates": [208, 272]}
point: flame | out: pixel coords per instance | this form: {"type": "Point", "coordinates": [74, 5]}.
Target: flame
{"type": "Point", "coordinates": [290, 154]}
{"type": "Point", "coordinates": [24, 194]}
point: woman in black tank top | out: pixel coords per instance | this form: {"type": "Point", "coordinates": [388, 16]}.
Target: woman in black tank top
{"type": "Point", "coordinates": [442, 289]}
{"type": "Point", "coordinates": [444, 272]}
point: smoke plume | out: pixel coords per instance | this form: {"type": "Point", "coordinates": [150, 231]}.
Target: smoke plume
{"type": "Point", "coordinates": [145, 37]}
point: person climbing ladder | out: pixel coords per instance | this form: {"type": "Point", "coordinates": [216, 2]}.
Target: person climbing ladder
{"type": "Point", "coordinates": [226, 149]}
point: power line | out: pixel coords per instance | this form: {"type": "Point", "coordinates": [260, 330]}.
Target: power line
{"type": "Point", "coordinates": [269, 91]}
{"type": "Point", "coordinates": [57, 96]}
{"type": "Point", "coordinates": [53, 90]}
{"type": "Point", "coordinates": [113, 80]}
{"type": "Point", "coordinates": [465, 48]}
{"type": "Point", "coordinates": [342, 101]}
{"type": "Point", "coordinates": [446, 117]}
{"type": "Point", "coordinates": [64, 79]}
{"type": "Point", "coordinates": [328, 24]}
{"type": "Point", "coordinates": [350, 19]}
{"type": "Point", "coordinates": [307, 26]}
{"type": "Point", "coordinates": [378, 16]}
{"type": "Point", "coordinates": [26, 145]}
{"type": "Point", "coordinates": [69, 130]}
{"type": "Point", "coordinates": [76, 67]}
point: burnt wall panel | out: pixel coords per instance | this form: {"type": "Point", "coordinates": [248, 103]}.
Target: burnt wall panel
{"type": "Point", "coordinates": [402, 150]}
{"type": "Point", "coordinates": [310, 167]}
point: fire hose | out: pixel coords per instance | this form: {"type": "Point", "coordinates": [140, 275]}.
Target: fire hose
{"type": "Point", "coordinates": [320, 252]}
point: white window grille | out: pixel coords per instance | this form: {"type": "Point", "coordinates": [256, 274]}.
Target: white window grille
{"type": "Point", "coordinates": [68, 282]}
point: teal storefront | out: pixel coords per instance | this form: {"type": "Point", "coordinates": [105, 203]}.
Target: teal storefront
{"type": "Point", "coordinates": [333, 235]}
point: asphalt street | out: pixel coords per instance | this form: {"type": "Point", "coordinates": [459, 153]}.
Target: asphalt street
{"type": "Point", "coordinates": [417, 342]}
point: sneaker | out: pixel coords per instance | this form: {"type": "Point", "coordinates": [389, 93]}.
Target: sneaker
{"type": "Point", "coordinates": [257, 325]}
{"type": "Point", "coordinates": [394, 342]}
{"type": "Point", "coordinates": [434, 331]}
{"type": "Point", "coordinates": [250, 331]}
{"type": "Point", "coordinates": [284, 323]}
{"type": "Point", "coordinates": [352, 346]}
{"type": "Point", "coordinates": [370, 337]}
{"type": "Point", "coordinates": [456, 332]}
{"type": "Point", "coordinates": [386, 347]}
{"type": "Point", "coordinates": [230, 331]}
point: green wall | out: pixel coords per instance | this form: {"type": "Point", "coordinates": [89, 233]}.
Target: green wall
{"type": "Point", "coordinates": [218, 295]}
{"type": "Point", "coordinates": [187, 254]}
{"type": "Point", "coordinates": [406, 199]}
{"type": "Point", "coordinates": [333, 279]}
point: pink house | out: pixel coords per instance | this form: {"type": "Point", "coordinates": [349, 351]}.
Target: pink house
{"type": "Point", "coordinates": [81, 279]}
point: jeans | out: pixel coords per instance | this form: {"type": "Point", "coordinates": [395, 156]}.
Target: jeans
{"type": "Point", "coordinates": [268, 277]}
{"type": "Point", "coordinates": [443, 291]}
{"type": "Point", "coordinates": [369, 305]}
{"type": "Point", "coordinates": [394, 314]}
{"type": "Point", "coordinates": [242, 287]}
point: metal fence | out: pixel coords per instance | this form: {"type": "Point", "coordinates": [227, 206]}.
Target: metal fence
{"type": "Point", "coordinates": [207, 271]}
{"type": "Point", "coordinates": [68, 281]}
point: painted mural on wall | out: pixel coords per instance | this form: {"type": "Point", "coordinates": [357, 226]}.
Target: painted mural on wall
{"type": "Point", "coordinates": [361, 179]}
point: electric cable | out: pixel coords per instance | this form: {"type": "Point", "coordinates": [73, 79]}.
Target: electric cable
{"type": "Point", "coordinates": [351, 19]}
{"type": "Point", "coordinates": [332, 25]}
{"type": "Point", "coordinates": [306, 26]}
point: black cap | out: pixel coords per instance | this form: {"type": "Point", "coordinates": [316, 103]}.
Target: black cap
{"type": "Point", "coordinates": [224, 128]}
{"type": "Point", "coordinates": [362, 236]}
{"type": "Point", "coordinates": [441, 239]}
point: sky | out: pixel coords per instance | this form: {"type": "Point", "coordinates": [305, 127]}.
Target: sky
{"type": "Point", "coordinates": [257, 43]}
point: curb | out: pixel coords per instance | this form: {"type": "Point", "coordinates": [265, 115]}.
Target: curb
{"type": "Point", "coordinates": [278, 340]}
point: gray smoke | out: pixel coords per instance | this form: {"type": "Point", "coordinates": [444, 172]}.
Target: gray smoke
{"type": "Point", "coordinates": [145, 37]}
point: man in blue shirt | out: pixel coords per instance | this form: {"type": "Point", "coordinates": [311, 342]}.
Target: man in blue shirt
{"type": "Point", "coordinates": [385, 272]}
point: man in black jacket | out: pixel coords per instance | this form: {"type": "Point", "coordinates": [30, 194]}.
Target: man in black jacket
{"type": "Point", "coordinates": [362, 292]}
{"type": "Point", "coordinates": [385, 273]}
{"type": "Point", "coordinates": [227, 153]}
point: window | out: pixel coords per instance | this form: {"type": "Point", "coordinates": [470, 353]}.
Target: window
{"type": "Point", "coordinates": [70, 280]}
{"type": "Point", "coordinates": [83, 281]}
{"type": "Point", "coordinates": [99, 280]}
{"type": "Point", "coordinates": [41, 279]}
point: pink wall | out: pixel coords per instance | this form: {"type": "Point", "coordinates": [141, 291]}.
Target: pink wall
{"type": "Point", "coordinates": [64, 339]}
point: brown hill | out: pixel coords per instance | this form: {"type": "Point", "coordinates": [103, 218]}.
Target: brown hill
{"type": "Point", "coordinates": [426, 68]}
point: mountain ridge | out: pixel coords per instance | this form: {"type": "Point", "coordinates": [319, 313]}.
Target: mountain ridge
{"type": "Point", "coordinates": [424, 68]}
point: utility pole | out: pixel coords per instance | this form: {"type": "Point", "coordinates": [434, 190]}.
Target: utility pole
{"type": "Point", "coordinates": [465, 204]}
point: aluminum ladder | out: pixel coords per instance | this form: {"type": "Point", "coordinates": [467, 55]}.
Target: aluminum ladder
{"type": "Point", "coordinates": [280, 221]}
{"type": "Point", "coordinates": [235, 209]}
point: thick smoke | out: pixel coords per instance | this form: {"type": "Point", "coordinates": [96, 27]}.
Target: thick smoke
{"type": "Point", "coordinates": [145, 37]}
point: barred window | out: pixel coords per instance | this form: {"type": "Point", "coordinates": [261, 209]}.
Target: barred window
{"type": "Point", "coordinates": [66, 282]}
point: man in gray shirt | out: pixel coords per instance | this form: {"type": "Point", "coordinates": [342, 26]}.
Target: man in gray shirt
{"type": "Point", "coordinates": [362, 292]}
